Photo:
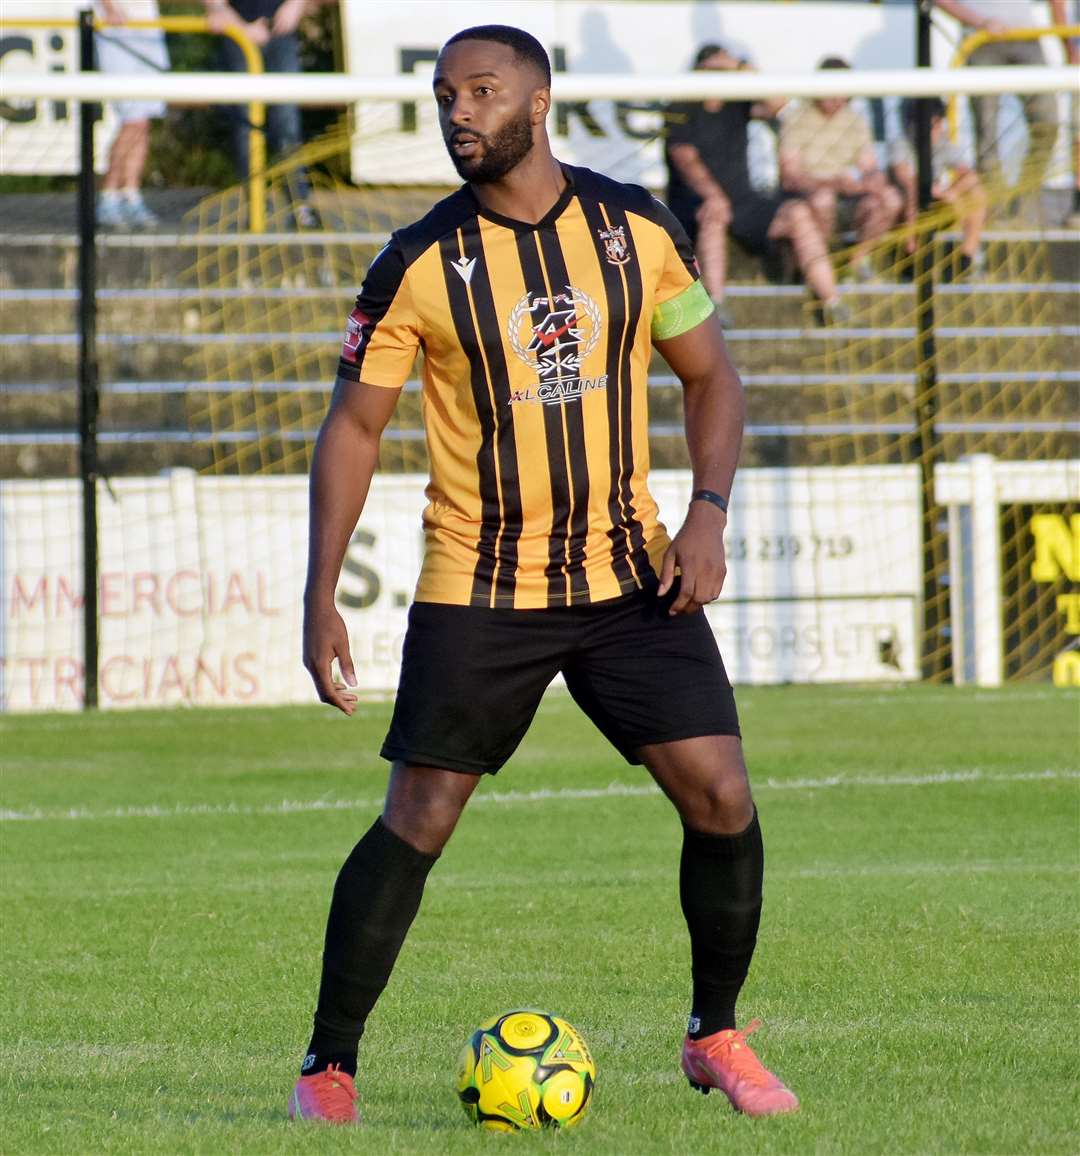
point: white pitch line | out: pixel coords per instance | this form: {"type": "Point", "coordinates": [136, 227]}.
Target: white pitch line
{"type": "Point", "coordinates": [510, 798]}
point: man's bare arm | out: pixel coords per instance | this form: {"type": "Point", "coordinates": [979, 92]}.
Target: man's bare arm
{"type": "Point", "coordinates": [794, 178]}
{"type": "Point", "coordinates": [715, 411]}
{"type": "Point", "coordinates": [346, 453]}
{"type": "Point", "coordinates": [969, 17]}
{"type": "Point", "coordinates": [686, 158]}
{"type": "Point", "coordinates": [1059, 15]}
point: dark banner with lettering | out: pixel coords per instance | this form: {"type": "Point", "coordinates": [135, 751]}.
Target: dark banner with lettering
{"type": "Point", "coordinates": [1040, 601]}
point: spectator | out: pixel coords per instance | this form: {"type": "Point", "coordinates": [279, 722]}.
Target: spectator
{"type": "Point", "coordinates": [130, 51]}
{"type": "Point", "coordinates": [710, 192]}
{"type": "Point", "coordinates": [827, 155]}
{"type": "Point", "coordinates": [955, 182]}
{"type": "Point", "coordinates": [1040, 109]}
{"type": "Point", "coordinates": [271, 25]}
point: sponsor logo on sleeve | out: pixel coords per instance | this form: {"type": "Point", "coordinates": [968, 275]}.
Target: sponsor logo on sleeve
{"type": "Point", "coordinates": [354, 336]}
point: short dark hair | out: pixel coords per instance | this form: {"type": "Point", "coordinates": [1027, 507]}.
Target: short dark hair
{"type": "Point", "coordinates": [525, 46]}
{"type": "Point", "coordinates": [936, 105]}
{"type": "Point", "coordinates": [707, 50]}
{"type": "Point", "coordinates": [833, 62]}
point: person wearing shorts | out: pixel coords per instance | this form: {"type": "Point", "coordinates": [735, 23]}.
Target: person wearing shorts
{"type": "Point", "coordinates": [712, 197]}
{"type": "Point", "coordinates": [827, 155]}
{"type": "Point", "coordinates": [130, 52]}
{"type": "Point", "coordinates": [537, 292]}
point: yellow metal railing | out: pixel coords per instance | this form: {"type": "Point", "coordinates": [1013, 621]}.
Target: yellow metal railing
{"type": "Point", "coordinates": [256, 110]}
{"type": "Point", "coordinates": [978, 39]}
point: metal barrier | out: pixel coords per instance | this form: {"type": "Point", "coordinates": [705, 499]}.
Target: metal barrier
{"type": "Point", "coordinates": [978, 39]}
{"type": "Point", "coordinates": [200, 25]}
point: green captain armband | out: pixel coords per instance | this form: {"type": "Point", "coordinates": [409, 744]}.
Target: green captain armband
{"type": "Point", "coordinates": [682, 313]}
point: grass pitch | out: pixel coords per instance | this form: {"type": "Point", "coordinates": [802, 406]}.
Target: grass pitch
{"type": "Point", "coordinates": [166, 877]}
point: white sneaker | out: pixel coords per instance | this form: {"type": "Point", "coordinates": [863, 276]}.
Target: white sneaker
{"type": "Point", "coordinates": [139, 215]}
{"type": "Point", "coordinates": [110, 211]}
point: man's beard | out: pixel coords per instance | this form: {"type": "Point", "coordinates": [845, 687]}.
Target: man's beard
{"type": "Point", "coordinates": [503, 151]}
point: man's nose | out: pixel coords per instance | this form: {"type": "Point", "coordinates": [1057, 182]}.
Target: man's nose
{"type": "Point", "coordinates": [460, 112]}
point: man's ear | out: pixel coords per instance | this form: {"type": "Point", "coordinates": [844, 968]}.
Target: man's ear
{"type": "Point", "coordinates": [541, 104]}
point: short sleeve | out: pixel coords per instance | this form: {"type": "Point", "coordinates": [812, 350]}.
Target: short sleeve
{"type": "Point", "coordinates": [860, 133]}
{"type": "Point", "coordinates": [679, 123]}
{"type": "Point", "coordinates": [680, 268]}
{"type": "Point", "coordinates": [791, 130]}
{"type": "Point", "coordinates": [382, 331]}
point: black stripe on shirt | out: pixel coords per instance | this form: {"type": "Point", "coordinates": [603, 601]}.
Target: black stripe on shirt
{"type": "Point", "coordinates": [617, 395]}
{"type": "Point", "coordinates": [559, 279]}
{"type": "Point", "coordinates": [450, 250]}
{"type": "Point", "coordinates": [535, 286]}
{"type": "Point", "coordinates": [506, 545]}
{"type": "Point", "coordinates": [630, 277]}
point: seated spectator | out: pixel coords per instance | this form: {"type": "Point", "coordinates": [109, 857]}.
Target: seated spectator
{"type": "Point", "coordinates": [129, 51]}
{"type": "Point", "coordinates": [955, 182]}
{"type": "Point", "coordinates": [710, 192]}
{"type": "Point", "coordinates": [827, 155]}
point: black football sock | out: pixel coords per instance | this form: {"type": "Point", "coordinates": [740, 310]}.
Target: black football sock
{"type": "Point", "coordinates": [376, 898]}
{"type": "Point", "coordinates": [720, 889]}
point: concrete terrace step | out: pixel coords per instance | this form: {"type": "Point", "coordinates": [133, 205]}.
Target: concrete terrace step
{"type": "Point", "coordinates": [339, 257]}
{"type": "Point", "coordinates": [37, 311]}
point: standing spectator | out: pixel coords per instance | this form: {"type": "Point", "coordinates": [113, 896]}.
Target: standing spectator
{"type": "Point", "coordinates": [710, 192]}
{"type": "Point", "coordinates": [271, 25]}
{"type": "Point", "coordinates": [955, 182]}
{"type": "Point", "coordinates": [827, 155]}
{"type": "Point", "coordinates": [130, 51]}
{"type": "Point", "coordinates": [1040, 109]}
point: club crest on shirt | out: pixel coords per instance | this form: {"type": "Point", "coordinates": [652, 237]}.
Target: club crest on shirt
{"type": "Point", "coordinates": [354, 335]}
{"type": "Point", "coordinates": [616, 250]}
{"type": "Point", "coordinates": [553, 335]}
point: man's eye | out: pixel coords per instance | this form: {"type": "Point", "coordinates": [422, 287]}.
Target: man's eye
{"type": "Point", "coordinates": [483, 90]}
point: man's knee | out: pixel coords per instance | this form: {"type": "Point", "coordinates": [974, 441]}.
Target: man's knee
{"type": "Point", "coordinates": [793, 219]}
{"type": "Point", "coordinates": [423, 804]}
{"type": "Point", "coordinates": [706, 780]}
{"type": "Point", "coordinates": [823, 200]}
{"type": "Point", "coordinates": [892, 202]}
{"type": "Point", "coordinates": [722, 806]}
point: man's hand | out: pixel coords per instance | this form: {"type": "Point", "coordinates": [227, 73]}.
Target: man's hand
{"type": "Point", "coordinates": [287, 17]}
{"type": "Point", "coordinates": [258, 32]}
{"type": "Point", "coordinates": [698, 552]}
{"type": "Point", "coordinates": [714, 210]}
{"type": "Point", "coordinates": [325, 638]}
{"type": "Point", "coordinates": [112, 11]}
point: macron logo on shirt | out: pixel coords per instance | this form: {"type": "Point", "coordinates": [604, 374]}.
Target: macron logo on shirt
{"type": "Point", "coordinates": [464, 266]}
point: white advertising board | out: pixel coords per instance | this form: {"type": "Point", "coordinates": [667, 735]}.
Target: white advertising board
{"type": "Point", "coordinates": [824, 573]}
{"type": "Point", "coordinates": [41, 138]}
{"type": "Point", "coordinates": [201, 581]}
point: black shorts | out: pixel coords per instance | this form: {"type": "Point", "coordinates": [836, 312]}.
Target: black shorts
{"type": "Point", "coordinates": [472, 678]}
{"type": "Point", "coordinates": [752, 216]}
{"type": "Point", "coordinates": [751, 219]}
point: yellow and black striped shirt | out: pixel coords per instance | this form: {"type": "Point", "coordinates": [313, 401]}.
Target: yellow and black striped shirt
{"type": "Point", "coordinates": [536, 342]}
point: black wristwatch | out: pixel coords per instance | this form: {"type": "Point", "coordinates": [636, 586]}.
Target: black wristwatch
{"type": "Point", "coordinates": [710, 496]}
